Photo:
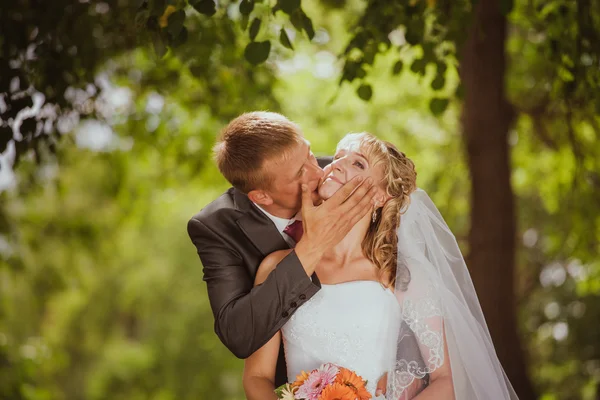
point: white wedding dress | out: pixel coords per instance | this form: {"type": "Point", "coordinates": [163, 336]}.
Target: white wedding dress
{"type": "Point", "coordinates": [354, 325]}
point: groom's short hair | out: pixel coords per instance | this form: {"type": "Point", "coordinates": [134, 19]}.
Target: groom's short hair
{"type": "Point", "coordinates": [248, 142]}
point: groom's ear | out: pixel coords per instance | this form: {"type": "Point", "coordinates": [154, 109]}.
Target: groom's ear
{"type": "Point", "coordinates": [260, 197]}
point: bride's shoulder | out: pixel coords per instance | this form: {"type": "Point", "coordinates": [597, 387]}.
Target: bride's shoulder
{"type": "Point", "coordinates": [268, 265]}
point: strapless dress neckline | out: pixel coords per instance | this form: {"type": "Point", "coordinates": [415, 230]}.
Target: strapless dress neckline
{"type": "Point", "coordinates": [353, 324]}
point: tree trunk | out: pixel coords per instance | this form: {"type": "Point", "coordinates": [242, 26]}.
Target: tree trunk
{"type": "Point", "coordinates": [486, 119]}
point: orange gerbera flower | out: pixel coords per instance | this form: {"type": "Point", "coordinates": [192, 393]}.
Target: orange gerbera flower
{"type": "Point", "coordinates": [351, 380]}
{"type": "Point", "coordinates": [337, 391]}
{"type": "Point", "coordinates": [300, 378]}
{"type": "Point", "coordinates": [363, 394]}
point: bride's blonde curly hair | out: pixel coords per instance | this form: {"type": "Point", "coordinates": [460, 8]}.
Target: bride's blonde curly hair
{"type": "Point", "coordinates": [380, 244]}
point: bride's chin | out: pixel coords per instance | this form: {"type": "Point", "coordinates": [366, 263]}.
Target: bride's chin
{"type": "Point", "coordinates": [325, 193]}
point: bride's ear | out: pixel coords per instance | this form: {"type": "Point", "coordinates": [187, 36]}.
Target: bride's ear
{"type": "Point", "coordinates": [381, 199]}
{"type": "Point", "coordinates": [260, 197]}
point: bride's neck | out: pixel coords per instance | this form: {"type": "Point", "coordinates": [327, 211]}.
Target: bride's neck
{"type": "Point", "coordinates": [351, 246]}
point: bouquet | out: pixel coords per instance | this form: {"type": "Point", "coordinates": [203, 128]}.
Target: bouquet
{"type": "Point", "coordinates": [328, 382]}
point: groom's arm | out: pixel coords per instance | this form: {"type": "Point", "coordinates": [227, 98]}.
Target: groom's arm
{"type": "Point", "coordinates": [246, 317]}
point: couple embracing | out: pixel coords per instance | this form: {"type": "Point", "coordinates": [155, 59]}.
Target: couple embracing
{"type": "Point", "coordinates": [341, 260]}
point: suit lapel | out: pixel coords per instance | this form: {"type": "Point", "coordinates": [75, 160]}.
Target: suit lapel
{"type": "Point", "coordinates": [257, 227]}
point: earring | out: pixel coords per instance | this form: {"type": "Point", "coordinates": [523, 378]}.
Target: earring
{"type": "Point", "coordinates": [374, 216]}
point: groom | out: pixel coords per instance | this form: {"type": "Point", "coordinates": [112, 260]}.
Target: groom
{"type": "Point", "coordinates": [267, 160]}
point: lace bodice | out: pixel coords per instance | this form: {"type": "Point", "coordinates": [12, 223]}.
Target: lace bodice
{"type": "Point", "coordinates": [352, 324]}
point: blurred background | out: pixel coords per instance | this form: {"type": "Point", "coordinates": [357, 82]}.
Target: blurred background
{"type": "Point", "coordinates": [109, 110]}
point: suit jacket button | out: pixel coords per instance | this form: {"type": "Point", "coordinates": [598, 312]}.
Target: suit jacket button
{"type": "Point", "coordinates": [285, 314]}
{"type": "Point", "coordinates": [302, 296]}
{"type": "Point", "coordinates": [293, 304]}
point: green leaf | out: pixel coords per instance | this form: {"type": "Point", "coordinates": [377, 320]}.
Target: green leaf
{"type": "Point", "coordinates": [175, 22]}
{"type": "Point", "coordinates": [198, 71]}
{"type": "Point", "coordinates": [257, 52]}
{"type": "Point", "coordinates": [418, 66]}
{"type": "Point", "coordinates": [308, 26]}
{"type": "Point", "coordinates": [441, 67]}
{"type": "Point", "coordinates": [548, 9]}
{"type": "Point", "coordinates": [288, 6]}
{"type": "Point", "coordinates": [246, 7]}
{"type": "Point", "coordinates": [428, 51]}
{"type": "Point", "coordinates": [296, 20]}
{"type": "Point", "coordinates": [365, 92]}
{"type": "Point", "coordinates": [285, 387]}
{"type": "Point", "coordinates": [350, 71]}
{"type": "Point", "coordinates": [439, 82]}
{"type": "Point", "coordinates": [206, 7]}
{"type": "Point", "coordinates": [244, 22]}
{"type": "Point", "coordinates": [152, 24]}
{"type": "Point", "coordinates": [369, 53]}
{"type": "Point", "coordinates": [564, 74]}
{"type": "Point", "coordinates": [141, 18]}
{"type": "Point", "coordinates": [285, 40]}
{"type": "Point", "coordinates": [438, 105]}
{"type": "Point", "coordinates": [160, 48]}
{"type": "Point", "coordinates": [157, 7]}
{"type": "Point", "coordinates": [6, 135]}
{"type": "Point", "coordinates": [181, 38]}
{"type": "Point", "coordinates": [412, 36]}
{"type": "Point", "coordinates": [254, 28]}
{"type": "Point", "coordinates": [28, 126]}
{"type": "Point", "coordinates": [567, 61]}
{"type": "Point", "coordinates": [358, 41]}
{"type": "Point", "coordinates": [397, 67]}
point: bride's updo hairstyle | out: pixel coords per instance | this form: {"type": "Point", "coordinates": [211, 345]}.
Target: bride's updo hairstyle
{"type": "Point", "coordinates": [380, 244]}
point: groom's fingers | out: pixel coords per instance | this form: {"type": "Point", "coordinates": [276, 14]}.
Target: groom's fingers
{"type": "Point", "coordinates": [307, 202]}
{"type": "Point", "coordinates": [364, 206]}
{"type": "Point", "coordinates": [359, 198]}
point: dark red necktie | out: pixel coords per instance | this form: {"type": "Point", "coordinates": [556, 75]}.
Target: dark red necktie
{"type": "Point", "coordinates": [294, 230]}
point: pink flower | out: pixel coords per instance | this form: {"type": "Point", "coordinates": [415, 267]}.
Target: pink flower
{"type": "Point", "coordinates": [317, 380]}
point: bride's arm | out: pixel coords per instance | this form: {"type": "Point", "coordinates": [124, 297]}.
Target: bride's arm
{"type": "Point", "coordinates": [441, 386]}
{"type": "Point", "coordinates": [259, 368]}
{"type": "Point", "coordinates": [268, 264]}
{"type": "Point", "coordinates": [259, 371]}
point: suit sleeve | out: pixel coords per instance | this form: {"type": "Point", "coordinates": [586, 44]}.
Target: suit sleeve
{"type": "Point", "coordinates": [246, 317]}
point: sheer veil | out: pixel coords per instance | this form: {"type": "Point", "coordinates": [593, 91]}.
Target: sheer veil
{"type": "Point", "coordinates": [440, 308]}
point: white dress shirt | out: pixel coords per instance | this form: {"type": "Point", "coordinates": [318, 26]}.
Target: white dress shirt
{"type": "Point", "coordinates": [281, 224]}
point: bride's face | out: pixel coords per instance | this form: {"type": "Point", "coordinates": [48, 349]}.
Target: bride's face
{"type": "Point", "coordinates": [349, 162]}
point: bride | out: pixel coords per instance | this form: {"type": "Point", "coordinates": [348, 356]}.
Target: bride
{"type": "Point", "coordinates": [396, 300]}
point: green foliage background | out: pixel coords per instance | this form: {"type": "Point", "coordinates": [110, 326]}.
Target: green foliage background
{"type": "Point", "coordinates": [101, 291]}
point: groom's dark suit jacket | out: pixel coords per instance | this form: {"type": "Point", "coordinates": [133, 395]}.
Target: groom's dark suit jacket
{"type": "Point", "coordinates": [232, 237]}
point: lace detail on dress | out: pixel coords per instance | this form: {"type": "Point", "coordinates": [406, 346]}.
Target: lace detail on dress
{"type": "Point", "coordinates": [423, 318]}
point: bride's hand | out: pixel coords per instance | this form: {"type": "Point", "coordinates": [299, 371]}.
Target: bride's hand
{"type": "Point", "coordinates": [381, 385]}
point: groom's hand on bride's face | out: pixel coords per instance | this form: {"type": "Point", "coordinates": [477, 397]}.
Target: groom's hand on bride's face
{"type": "Point", "coordinates": [327, 224]}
